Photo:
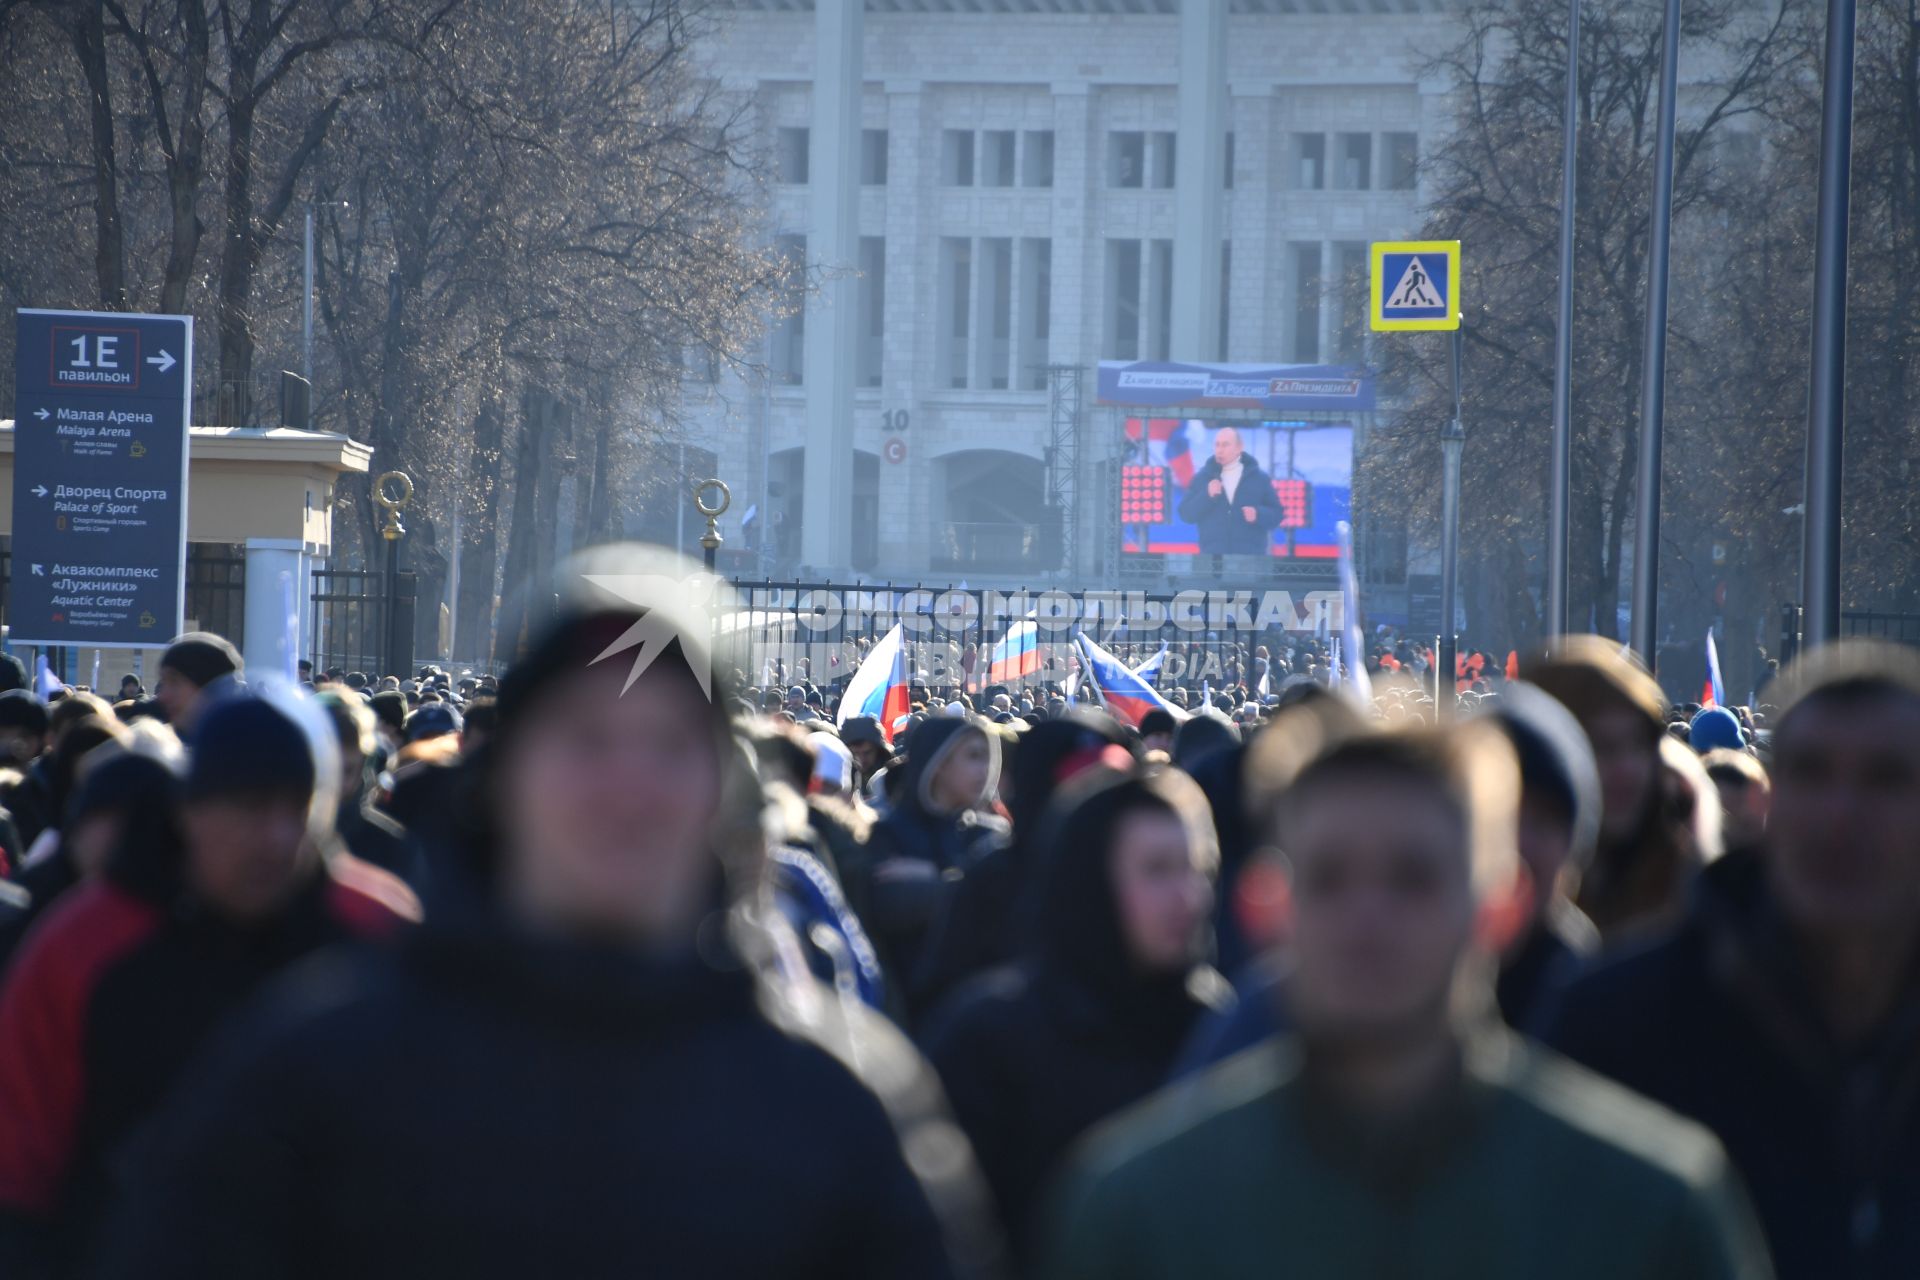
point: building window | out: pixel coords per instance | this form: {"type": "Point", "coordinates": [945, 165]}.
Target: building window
{"type": "Point", "coordinates": [1226, 169]}
{"type": "Point", "coordinates": [1400, 158]}
{"type": "Point", "coordinates": [1126, 158]}
{"type": "Point", "coordinates": [1226, 293]}
{"type": "Point", "coordinates": [873, 310]}
{"type": "Point", "coordinates": [1355, 161]}
{"type": "Point", "coordinates": [956, 157]}
{"type": "Point", "coordinates": [1161, 158]}
{"type": "Point", "coordinates": [1160, 312]}
{"type": "Point", "coordinates": [1036, 312]}
{"type": "Point", "coordinates": [1350, 330]}
{"type": "Point", "coordinates": [1307, 289]}
{"type": "Point", "coordinates": [1123, 299]}
{"type": "Point", "coordinates": [790, 334]}
{"type": "Point", "coordinates": [790, 155]}
{"type": "Point", "coordinates": [993, 345]}
{"type": "Point", "coordinates": [1036, 164]}
{"type": "Point", "coordinates": [1307, 161]}
{"type": "Point", "coordinates": [956, 308]}
{"type": "Point", "coordinates": [873, 157]}
{"type": "Point", "coordinates": [996, 159]}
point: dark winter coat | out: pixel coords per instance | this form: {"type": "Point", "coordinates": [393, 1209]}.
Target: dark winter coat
{"type": "Point", "coordinates": [991, 913]}
{"type": "Point", "coordinates": [1715, 1022]}
{"type": "Point", "coordinates": [1222, 526]}
{"type": "Point", "coordinates": [101, 1012]}
{"type": "Point", "coordinates": [937, 850]}
{"type": "Point", "coordinates": [480, 1103]}
{"type": "Point", "coordinates": [1034, 1056]}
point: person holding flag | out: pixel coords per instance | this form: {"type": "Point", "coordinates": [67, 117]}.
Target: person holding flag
{"type": "Point", "coordinates": [879, 688]}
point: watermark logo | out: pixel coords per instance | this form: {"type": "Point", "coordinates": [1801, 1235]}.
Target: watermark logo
{"type": "Point", "coordinates": [673, 609]}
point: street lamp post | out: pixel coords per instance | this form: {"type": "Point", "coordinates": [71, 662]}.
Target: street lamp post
{"type": "Point", "coordinates": [710, 540]}
{"type": "Point", "coordinates": [306, 292]}
{"type": "Point", "coordinates": [391, 531]}
{"type": "Point", "coordinates": [1453, 439]}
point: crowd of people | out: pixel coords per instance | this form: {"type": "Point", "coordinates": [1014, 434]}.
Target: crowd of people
{"type": "Point", "coordinates": [615, 967]}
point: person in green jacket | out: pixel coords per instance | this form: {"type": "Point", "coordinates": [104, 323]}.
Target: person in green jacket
{"type": "Point", "coordinates": [1400, 1133]}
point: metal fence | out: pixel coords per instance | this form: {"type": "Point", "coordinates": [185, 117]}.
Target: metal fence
{"type": "Point", "coordinates": [1903, 628]}
{"type": "Point", "coordinates": [781, 632]}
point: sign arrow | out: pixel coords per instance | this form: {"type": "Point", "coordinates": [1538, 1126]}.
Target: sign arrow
{"type": "Point", "coordinates": [39, 571]}
{"type": "Point", "coordinates": [40, 414]}
{"type": "Point", "coordinates": [165, 360]}
{"type": "Point", "coordinates": [39, 491]}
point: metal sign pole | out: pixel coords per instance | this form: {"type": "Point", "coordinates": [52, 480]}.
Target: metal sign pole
{"type": "Point", "coordinates": [1452, 440]}
{"type": "Point", "coordinates": [1559, 479]}
{"type": "Point", "coordinates": [1827, 392]}
{"type": "Point", "coordinates": [1653, 385]}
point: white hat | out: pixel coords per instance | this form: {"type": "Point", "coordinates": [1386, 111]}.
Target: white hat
{"type": "Point", "coordinates": [956, 708]}
{"type": "Point", "coordinates": [832, 762]}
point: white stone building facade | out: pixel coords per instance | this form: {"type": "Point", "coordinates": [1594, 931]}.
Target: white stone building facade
{"type": "Point", "coordinates": [1017, 209]}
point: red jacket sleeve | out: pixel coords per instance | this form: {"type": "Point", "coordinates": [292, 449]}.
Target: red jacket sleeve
{"type": "Point", "coordinates": [43, 1023]}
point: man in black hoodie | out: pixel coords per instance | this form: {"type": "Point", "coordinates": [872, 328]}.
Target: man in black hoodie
{"type": "Point", "coordinates": [597, 1066]}
{"type": "Point", "coordinates": [1114, 978]}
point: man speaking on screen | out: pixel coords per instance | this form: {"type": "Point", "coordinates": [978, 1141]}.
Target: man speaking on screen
{"type": "Point", "coordinates": [1231, 502]}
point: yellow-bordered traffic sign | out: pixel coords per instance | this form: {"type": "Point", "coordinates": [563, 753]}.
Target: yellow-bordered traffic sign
{"type": "Point", "coordinates": [1416, 284]}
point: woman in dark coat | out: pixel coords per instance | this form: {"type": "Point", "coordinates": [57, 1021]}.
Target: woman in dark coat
{"type": "Point", "coordinates": [610, 1062]}
{"type": "Point", "coordinates": [1091, 1020]}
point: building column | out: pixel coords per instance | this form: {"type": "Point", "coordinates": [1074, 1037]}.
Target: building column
{"type": "Point", "coordinates": [275, 567]}
{"type": "Point", "coordinates": [912, 249]}
{"type": "Point", "coordinates": [826, 533]}
{"type": "Point", "coordinates": [1199, 179]}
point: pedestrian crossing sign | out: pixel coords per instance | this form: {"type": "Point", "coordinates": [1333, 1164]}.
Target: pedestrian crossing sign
{"type": "Point", "coordinates": [1416, 284]}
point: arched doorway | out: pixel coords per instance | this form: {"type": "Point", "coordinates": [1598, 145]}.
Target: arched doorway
{"type": "Point", "coordinates": [989, 512]}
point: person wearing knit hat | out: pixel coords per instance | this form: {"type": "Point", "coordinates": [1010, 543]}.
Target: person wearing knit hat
{"type": "Point", "coordinates": [1638, 874]}
{"type": "Point", "coordinates": [23, 727]}
{"type": "Point", "coordinates": [193, 663]}
{"type": "Point", "coordinates": [1559, 822]}
{"type": "Point", "coordinates": [1713, 729]}
{"type": "Point", "coordinates": [832, 765]}
{"type": "Point", "coordinates": [863, 737]}
{"type": "Point", "coordinates": [616, 946]}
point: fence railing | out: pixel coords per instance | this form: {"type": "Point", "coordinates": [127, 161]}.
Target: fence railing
{"type": "Point", "coordinates": [1903, 628]}
{"type": "Point", "coordinates": [779, 632]}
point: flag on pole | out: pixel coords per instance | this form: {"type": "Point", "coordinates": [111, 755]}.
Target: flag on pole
{"type": "Point", "coordinates": [1125, 694]}
{"type": "Point", "coordinates": [1072, 687]}
{"type": "Point", "coordinates": [1150, 669]}
{"type": "Point", "coordinates": [1713, 693]}
{"type": "Point", "coordinates": [1355, 650]}
{"type": "Point", "coordinates": [96, 671]}
{"type": "Point", "coordinates": [45, 683]}
{"type": "Point", "coordinates": [879, 687]}
{"type": "Point", "coordinates": [1017, 654]}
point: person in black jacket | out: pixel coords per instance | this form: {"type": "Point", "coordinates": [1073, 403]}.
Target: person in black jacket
{"type": "Point", "coordinates": [992, 909]}
{"type": "Point", "coordinates": [1115, 978]}
{"type": "Point", "coordinates": [934, 835]}
{"type": "Point", "coordinates": [1784, 1013]}
{"type": "Point", "coordinates": [1231, 502]}
{"type": "Point", "coordinates": [594, 1063]}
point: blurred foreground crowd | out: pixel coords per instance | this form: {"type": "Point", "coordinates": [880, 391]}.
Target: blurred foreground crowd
{"type": "Point", "coordinates": [606, 969]}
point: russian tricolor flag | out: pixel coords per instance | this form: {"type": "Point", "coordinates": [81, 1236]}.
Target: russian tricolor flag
{"type": "Point", "coordinates": [879, 687]}
{"type": "Point", "coordinates": [1713, 693]}
{"type": "Point", "coordinates": [1017, 655]}
{"type": "Point", "coordinates": [1124, 693]}
{"type": "Point", "coordinates": [1150, 669]}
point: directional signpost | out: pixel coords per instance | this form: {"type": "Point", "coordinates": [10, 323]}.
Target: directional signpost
{"type": "Point", "coordinates": [102, 403]}
{"type": "Point", "coordinates": [1416, 286]}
